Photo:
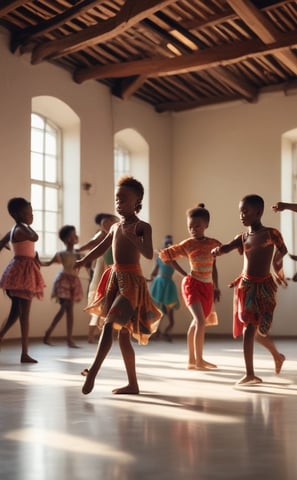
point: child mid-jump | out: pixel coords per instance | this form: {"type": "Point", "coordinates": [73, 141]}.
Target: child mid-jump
{"type": "Point", "coordinates": [67, 287]}
{"type": "Point", "coordinates": [199, 287]}
{"type": "Point", "coordinates": [125, 302]}
{"type": "Point", "coordinates": [255, 288]}
{"type": "Point", "coordinates": [21, 279]}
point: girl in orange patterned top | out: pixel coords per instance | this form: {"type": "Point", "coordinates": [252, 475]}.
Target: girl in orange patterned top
{"type": "Point", "coordinates": [21, 279]}
{"type": "Point", "coordinates": [200, 286]}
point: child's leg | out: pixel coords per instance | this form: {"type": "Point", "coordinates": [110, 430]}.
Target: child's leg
{"type": "Point", "coordinates": [14, 314]}
{"type": "Point", "coordinates": [69, 323]}
{"type": "Point", "coordinates": [248, 353]}
{"type": "Point", "coordinates": [196, 334]}
{"type": "Point", "coordinates": [104, 345]}
{"type": "Point", "coordinates": [129, 360]}
{"type": "Point", "coordinates": [169, 327]}
{"type": "Point", "coordinates": [93, 328]}
{"type": "Point", "coordinates": [190, 345]}
{"type": "Point", "coordinates": [54, 323]}
{"type": "Point", "coordinates": [268, 343]}
{"type": "Point", "coordinates": [25, 306]}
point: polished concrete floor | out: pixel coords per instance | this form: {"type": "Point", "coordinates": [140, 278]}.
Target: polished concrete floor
{"type": "Point", "coordinates": [183, 425]}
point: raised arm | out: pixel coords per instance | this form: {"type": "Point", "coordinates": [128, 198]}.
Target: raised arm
{"type": "Point", "coordinates": [281, 206]}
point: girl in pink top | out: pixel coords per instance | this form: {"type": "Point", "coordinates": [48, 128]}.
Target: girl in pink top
{"type": "Point", "coordinates": [200, 286]}
{"type": "Point", "coordinates": [21, 279]}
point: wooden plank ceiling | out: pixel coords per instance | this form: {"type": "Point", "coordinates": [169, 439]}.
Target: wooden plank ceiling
{"type": "Point", "coordinates": [173, 54]}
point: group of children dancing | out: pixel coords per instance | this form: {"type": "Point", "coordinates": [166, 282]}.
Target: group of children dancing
{"type": "Point", "coordinates": [122, 299]}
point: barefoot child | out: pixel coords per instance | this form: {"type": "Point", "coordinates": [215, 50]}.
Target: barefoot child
{"type": "Point", "coordinates": [125, 302]}
{"type": "Point", "coordinates": [164, 292]}
{"type": "Point", "coordinates": [67, 287]}
{"type": "Point", "coordinates": [200, 287]}
{"type": "Point", "coordinates": [255, 288]}
{"type": "Point", "coordinates": [21, 279]}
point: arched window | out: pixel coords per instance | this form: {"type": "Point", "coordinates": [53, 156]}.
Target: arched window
{"type": "Point", "coordinates": [55, 170]}
{"type": "Point", "coordinates": [46, 182]}
{"type": "Point", "coordinates": [131, 157]}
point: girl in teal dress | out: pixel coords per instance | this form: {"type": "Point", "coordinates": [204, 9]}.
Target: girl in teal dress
{"type": "Point", "coordinates": [163, 291]}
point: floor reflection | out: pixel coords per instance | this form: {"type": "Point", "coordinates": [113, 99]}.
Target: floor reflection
{"type": "Point", "coordinates": [183, 425]}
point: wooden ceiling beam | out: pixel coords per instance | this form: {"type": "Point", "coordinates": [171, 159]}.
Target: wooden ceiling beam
{"type": "Point", "coordinates": [129, 86]}
{"type": "Point", "coordinates": [203, 102]}
{"type": "Point", "coordinates": [263, 28]}
{"type": "Point", "coordinates": [238, 85]}
{"type": "Point", "coordinates": [130, 14]}
{"type": "Point", "coordinates": [8, 6]}
{"type": "Point", "coordinates": [212, 57]}
{"type": "Point", "coordinates": [26, 35]}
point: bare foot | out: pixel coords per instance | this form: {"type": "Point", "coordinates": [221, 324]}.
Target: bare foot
{"type": "Point", "coordinates": [128, 390]}
{"type": "Point", "coordinates": [191, 366]}
{"type": "Point", "coordinates": [46, 341]}
{"type": "Point", "coordinates": [25, 358]}
{"type": "Point", "coordinates": [204, 365]}
{"type": "Point", "coordinates": [208, 364]}
{"type": "Point", "coordinates": [279, 363]}
{"type": "Point", "coordinates": [89, 383]}
{"type": "Point", "coordinates": [73, 345]}
{"type": "Point", "coordinates": [249, 380]}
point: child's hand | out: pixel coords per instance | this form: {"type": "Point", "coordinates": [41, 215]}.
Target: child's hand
{"type": "Point", "coordinates": [278, 207]}
{"type": "Point", "coordinates": [216, 252]}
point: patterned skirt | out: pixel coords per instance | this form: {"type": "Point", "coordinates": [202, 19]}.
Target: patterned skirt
{"type": "Point", "coordinates": [254, 302]}
{"type": "Point", "coordinates": [22, 278]}
{"type": "Point", "coordinates": [123, 299]}
{"type": "Point", "coordinates": [67, 287]}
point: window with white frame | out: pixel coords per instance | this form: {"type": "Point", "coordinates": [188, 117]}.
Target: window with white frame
{"type": "Point", "coordinates": [122, 162]}
{"type": "Point", "coordinates": [46, 182]}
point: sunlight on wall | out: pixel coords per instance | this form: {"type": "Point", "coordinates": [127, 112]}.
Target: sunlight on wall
{"type": "Point", "coordinates": [62, 115]}
{"type": "Point", "coordinates": [139, 154]}
{"type": "Point", "coordinates": [288, 194]}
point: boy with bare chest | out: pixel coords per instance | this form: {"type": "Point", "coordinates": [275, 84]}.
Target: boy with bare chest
{"type": "Point", "coordinates": [255, 289]}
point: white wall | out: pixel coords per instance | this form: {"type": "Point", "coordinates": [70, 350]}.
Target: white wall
{"type": "Point", "coordinates": [100, 117]}
{"type": "Point", "coordinates": [220, 155]}
{"type": "Point", "coordinates": [214, 155]}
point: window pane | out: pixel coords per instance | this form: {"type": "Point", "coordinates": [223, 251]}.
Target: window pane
{"type": "Point", "coordinates": [37, 140]}
{"type": "Point", "coordinates": [50, 144]}
{"type": "Point", "coordinates": [51, 222]}
{"type": "Point", "coordinates": [36, 166]}
{"type": "Point", "coordinates": [36, 196]}
{"type": "Point", "coordinates": [50, 243]}
{"type": "Point", "coordinates": [37, 220]}
{"type": "Point", "coordinates": [51, 199]}
{"type": "Point", "coordinates": [37, 121]}
{"type": "Point", "coordinates": [50, 169]}
{"type": "Point", "coordinates": [39, 248]}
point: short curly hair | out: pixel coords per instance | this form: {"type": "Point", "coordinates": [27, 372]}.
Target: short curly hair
{"type": "Point", "coordinates": [135, 185]}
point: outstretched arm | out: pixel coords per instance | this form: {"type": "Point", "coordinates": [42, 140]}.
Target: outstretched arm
{"type": "Point", "coordinates": [228, 247]}
{"type": "Point", "coordinates": [281, 206]}
{"type": "Point", "coordinates": [95, 253]}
